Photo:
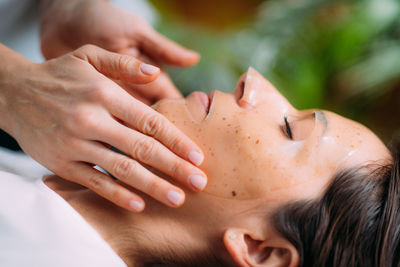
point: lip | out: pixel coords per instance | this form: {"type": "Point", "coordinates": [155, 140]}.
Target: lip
{"type": "Point", "coordinates": [211, 97]}
{"type": "Point", "coordinates": [204, 100]}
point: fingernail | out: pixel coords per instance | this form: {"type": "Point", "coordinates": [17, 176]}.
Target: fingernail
{"type": "Point", "coordinates": [149, 69]}
{"type": "Point", "coordinates": [192, 53]}
{"type": "Point", "coordinates": [198, 181]}
{"type": "Point", "coordinates": [136, 205]}
{"type": "Point", "coordinates": [196, 158]}
{"type": "Point", "coordinates": [174, 197]}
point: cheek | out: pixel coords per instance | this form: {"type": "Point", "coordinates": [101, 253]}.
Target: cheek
{"type": "Point", "coordinates": [242, 157]}
{"type": "Point", "coordinates": [245, 156]}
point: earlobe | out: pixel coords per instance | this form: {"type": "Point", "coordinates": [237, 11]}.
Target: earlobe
{"type": "Point", "coordinates": [247, 250]}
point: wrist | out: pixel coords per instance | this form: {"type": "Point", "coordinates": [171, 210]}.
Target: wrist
{"type": "Point", "coordinates": [56, 12]}
{"type": "Point", "coordinates": [61, 10]}
{"type": "Point", "coordinates": [64, 25]}
{"type": "Point", "coordinates": [14, 71]}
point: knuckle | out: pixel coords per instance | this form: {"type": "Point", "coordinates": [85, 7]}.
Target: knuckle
{"type": "Point", "coordinates": [175, 168]}
{"type": "Point", "coordinates": [124, 62]}
{"type": "Point", "coordinates": [61, 167]}
{"type": "Point", "coordinates": [153, 124]}
{"type": "Point", "coordinates": [118, 194]}
{"type": "Point", "coordinates": [84, 119]}
{"type": "Point", "coordinates": [67, 132]}
{"type": "Point", "coordinates": [175, 144]}
{"type": "Point", "coordinates": [144, 150]}
{"type": "Point", "coordinates": [77, 118]}
{"type": "Point", "coordinates": [70, 145]}
{"type": "Point", "coordinates": [87, 48]}
{"type": "Point", "coordinates": [124, 168]}
{"type": "Point", "coordinates": [152, 187]}
{"type": "Point", "coordinates": [100, 92]}
{"type": "Point", "coordinates": [95, 182]}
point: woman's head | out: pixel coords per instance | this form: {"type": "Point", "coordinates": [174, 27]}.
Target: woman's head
{"type": "Point", "coordinates": [261, 155]}
{"type": "Point", "coordinates": [286, 187]}
{"type": "Point", "coordinates": [258, 146]}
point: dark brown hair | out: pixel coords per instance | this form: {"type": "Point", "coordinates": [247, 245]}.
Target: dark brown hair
{"type": "Point", "coordinates": [355, 223]}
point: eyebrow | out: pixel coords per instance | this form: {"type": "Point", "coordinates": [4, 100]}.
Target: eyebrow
{"type": "Point", "coordinates": [320, 116]}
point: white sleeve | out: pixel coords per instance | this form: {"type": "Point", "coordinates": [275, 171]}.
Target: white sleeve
{"type": "Point", "coordinates": [39, 228]}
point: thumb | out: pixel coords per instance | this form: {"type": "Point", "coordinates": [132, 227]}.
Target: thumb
{"type": "Point", "coordinates": [164, 50]}
{"type": "Point", "coordinates": [117, 66]}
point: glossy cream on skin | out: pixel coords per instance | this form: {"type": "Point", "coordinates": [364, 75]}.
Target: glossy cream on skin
{"type": "Point", "coordinates": [253, 166]}
{"type": "Point", "coordinates": [248, 154]}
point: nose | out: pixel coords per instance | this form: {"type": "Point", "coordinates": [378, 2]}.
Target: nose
{"type": "Point", "coordinates": [253, 90]}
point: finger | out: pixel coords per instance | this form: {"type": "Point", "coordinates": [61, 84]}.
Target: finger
{"type": "Point", "coordinates": [117, 66]}
{"type": "Point", "coordinates": [151, 123]}
{"type": "Point", "coordinates": [135, 175]}
{"type": "Point", "coordinates": [131, 51]}
{"type": "Point", "coordinates": [167, 88]}
{"type": "Point", "coordinates": [105, 186]}
{"type": "Point", "coordinates": [164, 50]}
{"type": "Point", "coordinates": [51, 50]}
{"type": "Point", "coordinates": [157, 90]}
{"type": "Point", "coordinates": [131, 89]}
{"type": "Point", "coordinates": [150, 152]}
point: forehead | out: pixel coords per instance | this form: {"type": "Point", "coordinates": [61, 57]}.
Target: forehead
{"type": "Point", "coordinates": [359, 145]}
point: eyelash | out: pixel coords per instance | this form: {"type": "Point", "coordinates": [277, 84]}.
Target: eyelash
{"type": "Point", "coordinates": [288, 131]}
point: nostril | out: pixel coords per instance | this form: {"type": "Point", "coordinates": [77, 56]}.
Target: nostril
{"type": "Point", "coordinates": [243, 93]}
{"type": "Point", "coordinates": [239, 90]}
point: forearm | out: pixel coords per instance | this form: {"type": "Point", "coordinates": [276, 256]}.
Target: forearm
{"type": "Point", "coordinates": [64, 25]}
{"type": "Point", "coordinates": [59, 9]}
{"type": "Point", "coordinates": [13, 70]}
{"type": "Point", "coordinates": [47, 5]}
{"type": "Point", "coordinates": [56, 11]}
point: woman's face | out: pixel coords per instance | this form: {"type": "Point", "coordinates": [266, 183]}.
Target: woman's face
{"type": "Point", "coordinates": [257, 145]}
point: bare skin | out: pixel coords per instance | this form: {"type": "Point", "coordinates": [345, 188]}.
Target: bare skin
{"type": "Point", "coordinates": [67, 112]}
{"type": "Point", "coordinates": [254, 166]}
{"type": "Point", "coordinates": [67, 25]}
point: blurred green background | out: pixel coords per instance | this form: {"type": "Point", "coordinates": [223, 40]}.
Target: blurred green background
{"type": "Point", "coordinates": [341, 55]}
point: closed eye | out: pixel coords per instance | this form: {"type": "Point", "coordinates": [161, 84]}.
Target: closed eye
{"type": "Point", "coordinates": [287, 129]}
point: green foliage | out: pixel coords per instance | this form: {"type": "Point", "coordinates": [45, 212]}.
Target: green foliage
{"type": "Point", "coordinates": [341, 54]}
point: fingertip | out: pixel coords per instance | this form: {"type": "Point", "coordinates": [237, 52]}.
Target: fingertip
{"type": "Point", "coordinates": [136, 206]}
{"type": "Point", "coordinates": [176, 198]}
{"type": "Point", "coordinates": [196, 157]}
{"type": "Point", "coordinates": [194, 55]}
{"type": "Point", "coordinates": [189, 58]}
{"type": "Point", "coordinates": [149, 70]}
{"type": "Point", "coordinates": [198, 182]}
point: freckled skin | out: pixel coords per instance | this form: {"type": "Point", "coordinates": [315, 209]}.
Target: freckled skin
{"type": "Point", "coordinates": [247, 152]}
{"type": "Point", "coordinates": [247, 179]}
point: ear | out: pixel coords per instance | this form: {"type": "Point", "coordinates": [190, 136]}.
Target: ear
{"type": "Point", "coordinates": [250, 251]}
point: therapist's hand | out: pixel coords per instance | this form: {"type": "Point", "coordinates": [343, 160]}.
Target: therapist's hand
{"type": "Point", "coordinates": [67, 25]}
{"type": "Point", "coordinates": [66, 113]}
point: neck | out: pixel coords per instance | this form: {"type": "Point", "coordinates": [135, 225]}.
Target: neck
{"type": "Point", "coordinates": [153, 233]}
